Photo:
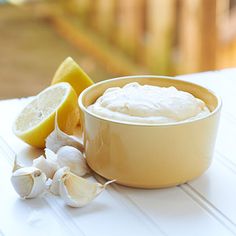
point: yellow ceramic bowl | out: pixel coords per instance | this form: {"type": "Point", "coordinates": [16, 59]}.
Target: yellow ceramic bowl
{"type": "Point", "coordinates": [149, 155]}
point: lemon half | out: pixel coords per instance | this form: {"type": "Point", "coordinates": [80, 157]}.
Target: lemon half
{"type": "Point", "coordinates": [36, 120]}
{"type": "Point", "coordinates": [69, 71]}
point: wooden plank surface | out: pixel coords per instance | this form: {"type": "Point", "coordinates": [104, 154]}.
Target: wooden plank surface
{"type": "Point", "coordinates": [205, 206]}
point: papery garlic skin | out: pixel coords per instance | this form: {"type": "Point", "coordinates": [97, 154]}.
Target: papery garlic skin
{"type": "Point", "coordinates": [58, 139]}
{"type": "Point", "coordinates": [16, 165]}
{"type": "Point", "coordinates": [74, 159]}
{"type": "Point", "coordinates": [29, 182]}
{"type": "Point", "coordinates": [54, 187]}
{"type": "Point", "coordinates": [77, 191]}
{"type": "Point", "coordinates": [47, 166]}
{"type": "Point", "coordinates": [50, 155]}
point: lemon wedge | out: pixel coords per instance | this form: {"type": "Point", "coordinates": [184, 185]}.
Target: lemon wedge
{"type": "Point", "coordinates": [69, 71]}
{"type": "Point", "coordinates": [36, 121]}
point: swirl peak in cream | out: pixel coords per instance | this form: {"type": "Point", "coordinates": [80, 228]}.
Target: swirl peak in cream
{"type": "Point", "coordinates": [148, 104]}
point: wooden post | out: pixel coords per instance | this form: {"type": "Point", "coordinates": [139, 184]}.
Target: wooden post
{"type": "Point", "coordinates": [225, 49]}
{"type": "Point", "coordinates": [197, 35]}
{"type": "Point", "coordinates": [130, 26]}
{"type": "Point", "coordinates": [209, 35]}
{"type": "Point", "coordinates": [105, 17]}
{"type": "Point", "coordinates": [160, 35]}
{"type": "Point", "coordinates": [80, 8]}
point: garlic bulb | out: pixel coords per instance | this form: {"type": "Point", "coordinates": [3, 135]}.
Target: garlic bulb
{"type": "Point", "coordinates": [47, 165]}
{"type": "Point", "coordinates": [54, 187]}
{"type": "Point", "coordinates": [74, 159]}
{"type": "Point", "coordinates": [29, 182]}
{"type": "Point", "coordinates": [77, 191]}
{"type": "Point", "coordinates": [58, 138]}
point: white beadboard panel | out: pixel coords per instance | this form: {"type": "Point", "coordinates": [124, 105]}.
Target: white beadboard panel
{"type": "Point", "coordinates": [175, 212]}
{"type": "Point", "coordinates": [189, 190]}
{"type": "Point", "coordinates": [107, 215]}
{"type": "Point", "coordinates": [217, 186]}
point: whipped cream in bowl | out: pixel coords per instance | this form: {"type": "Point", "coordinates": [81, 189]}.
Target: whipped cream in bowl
{"type": "Point", "coordinates": [148, 104]}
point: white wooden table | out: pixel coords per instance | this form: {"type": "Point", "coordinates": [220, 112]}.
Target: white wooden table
{"type": "Point", "coordinates": [205, 206]}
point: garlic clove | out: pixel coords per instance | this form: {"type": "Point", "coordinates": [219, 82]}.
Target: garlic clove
{"type": "Point", "coordinates": [39, 185]}
{"type": "Point", "coordinates": [74, 159]}
{"type": "Point", "coordinates": [77, 191]}
{"type": "Point", "coordinates": [29, 182]}
{"type": "Point", "coordinates": [46, 165]}
{"type": "Point", "coordinates": [23, 184]}
{"type": "Point", "coordinates": [58, 139]}
{"type": "Point", "coordinates": [54, 187]}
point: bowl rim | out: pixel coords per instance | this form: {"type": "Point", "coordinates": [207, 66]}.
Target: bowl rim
{"type": "Point", "coordinates": [84, 109]}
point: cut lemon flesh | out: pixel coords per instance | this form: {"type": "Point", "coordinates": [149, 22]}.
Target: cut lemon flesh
{"type": "Point", "coordinates": [69, 71]}
{"type": "Point", "coordinates": [36, 120]}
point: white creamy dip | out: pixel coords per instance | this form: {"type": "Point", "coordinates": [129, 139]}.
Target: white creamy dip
{"type": "Point", "coordinates": [148, 104]}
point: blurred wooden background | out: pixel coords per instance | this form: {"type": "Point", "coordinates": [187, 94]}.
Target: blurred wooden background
{"type": "Point", "coordinates": [164, 37]}
{"type": "Point", "coordinates": [113, 38]}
